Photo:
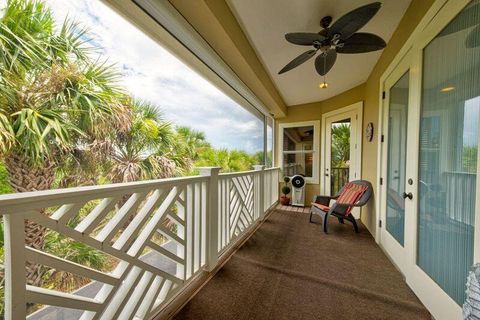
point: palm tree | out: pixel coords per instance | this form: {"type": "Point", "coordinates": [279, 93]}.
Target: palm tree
{"type": "Point", "coordinates": [340, 144]}
{"type": "Point", "coordinates": [194, 140]}
{"type": "Point", "coordinates": [54, 98]}
{"type": "Point", "coordinates": [139, 153]}
{"type": "Point", "coordinates": [191, 143]}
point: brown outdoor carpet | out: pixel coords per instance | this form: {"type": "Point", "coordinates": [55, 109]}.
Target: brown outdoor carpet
{"type": "Point", "coordinates": [290, 269]}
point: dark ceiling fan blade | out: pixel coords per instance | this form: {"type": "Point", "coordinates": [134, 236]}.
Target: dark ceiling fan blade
{"type": "Point", "coordinates": [303, 38]}
{"type": "Point", "coordinates": [465, 19]}
{"type": "Point", "coordinates": [473, 38]}
{"type": "Point", "coordinates": [298, 61]}
{"type": "Point", "coordinates": [325, 61]}
{"type": "Point", "coordinates": [362, 42]}
{"type": "Point", "coordinates": [350, 23]}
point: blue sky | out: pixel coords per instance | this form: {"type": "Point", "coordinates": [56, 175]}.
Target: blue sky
{"type": "Point", "coordinates": [151, 73]}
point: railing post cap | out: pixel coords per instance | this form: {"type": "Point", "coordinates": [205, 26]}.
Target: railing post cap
{"type": "Point", "coordinates": [208, 171]}
{"type": "Point", "coordinates": [258, 167]}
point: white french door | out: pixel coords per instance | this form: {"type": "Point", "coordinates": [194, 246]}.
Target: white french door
{"type": "Point", "coordinates": [339, 164]}
{"type": "Point", "coordinates": [396, 200]}
{"type": "Point", "coordinates": [430, 164]}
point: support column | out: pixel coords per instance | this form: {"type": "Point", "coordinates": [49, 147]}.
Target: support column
{"type": "Point", "coordinates": [15, 282]}
{"type": "Point", "coordinates": [212, 216]}
{"type": "Point", "coordinates": [261, 190]}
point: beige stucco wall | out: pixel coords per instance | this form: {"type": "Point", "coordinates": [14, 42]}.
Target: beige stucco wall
{"type": "Point", "coordinates": [369, 93]}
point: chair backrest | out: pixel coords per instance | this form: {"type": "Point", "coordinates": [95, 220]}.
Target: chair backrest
{"type": "Point", "coordinates": [363, 199]}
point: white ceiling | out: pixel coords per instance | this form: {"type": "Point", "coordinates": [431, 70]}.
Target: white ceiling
{"type": "Point", "coordinates": [265, 22]}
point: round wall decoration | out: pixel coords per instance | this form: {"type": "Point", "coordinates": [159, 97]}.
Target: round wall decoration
{"type": "Point", "coordinates": [369, 132]}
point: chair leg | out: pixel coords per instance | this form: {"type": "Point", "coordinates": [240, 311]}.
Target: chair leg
{"type": "Point", "coordinates": [311, 214]}
{"type": "Point", "coordinates": [325, 223]}
{"type": "Point", "coordinates": [354, 222]}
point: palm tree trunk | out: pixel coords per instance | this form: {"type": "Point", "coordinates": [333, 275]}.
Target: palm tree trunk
{"type": "Point", "coordinates": [24, 177]}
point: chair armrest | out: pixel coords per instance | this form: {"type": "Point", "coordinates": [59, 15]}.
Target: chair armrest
{"type": "Point", "coordinates": [349, 204]}
{"type": "Point", "coordinates": [324, 200]}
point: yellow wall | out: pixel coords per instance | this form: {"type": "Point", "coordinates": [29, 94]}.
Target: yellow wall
{"type": "Point", "coordinates": [369, 93]}
{"type": "Point", "coordinates": [314, 111]}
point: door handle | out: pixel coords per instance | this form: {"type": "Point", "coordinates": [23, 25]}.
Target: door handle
{"type": "Point", "coordinates": [407, 195]}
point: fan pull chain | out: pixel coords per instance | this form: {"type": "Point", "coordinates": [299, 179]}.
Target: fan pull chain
{"type": "Point", "coordinates": [324, 84]}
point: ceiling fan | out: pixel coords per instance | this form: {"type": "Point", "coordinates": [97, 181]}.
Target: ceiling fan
{"type": "Point", "coordinates": [340, 37]}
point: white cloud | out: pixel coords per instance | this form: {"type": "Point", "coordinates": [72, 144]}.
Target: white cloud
{"type": "Point", "coordinates": [152, 73]}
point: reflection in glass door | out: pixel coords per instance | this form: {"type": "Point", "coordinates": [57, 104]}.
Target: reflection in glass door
{"type": "Point", "coordinates": [396, 163]}
{"type": "Point", "coordinates": [449, 130]}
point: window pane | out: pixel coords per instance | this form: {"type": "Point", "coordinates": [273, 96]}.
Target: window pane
{"type": "Point", "coordinates": [298, 163]}
{"type": "Point", "coordinates": [448, 152]}
{"type": "Point", "coordinates": [397, 146]}
{"type": "Point", "coordinates": [298, 139]}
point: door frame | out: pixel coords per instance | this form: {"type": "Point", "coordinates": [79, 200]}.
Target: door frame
{"type": "Point", "coordinates": [440, 305]}
{"type": "Point", "coordinates": [397, 253]}
{"type": "Point", "coordinates": [357, 110]}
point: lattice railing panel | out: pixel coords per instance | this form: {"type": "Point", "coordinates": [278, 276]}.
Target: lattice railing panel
{"type": "Point", "coordinates": [127, 223]}
{"type": "Point", "coordinates": [158, 234]}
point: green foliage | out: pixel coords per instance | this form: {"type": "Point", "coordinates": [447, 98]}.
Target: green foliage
{"type": "Point", "coordinates": [4, 184]}
{"type": "Point", "coordinates": [228, 160]}
{"type": "Point", "coordinates": [52, 95]}
{"type": "Point", "coordinates": [340, 145]}
{"type": "Point", "coordinates": [74, 251]}
{"type": "Point", "coordinates": [286, 190]}
{"type": "Point", "coordinates": [139, 152]}
{"type": "Point", "coordinates": [469, 159]}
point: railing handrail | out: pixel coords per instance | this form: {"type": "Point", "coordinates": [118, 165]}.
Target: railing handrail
{"type": "Point", "coordinates": [236, 174]}
{"type": "Point", "coordinates": [25, 198]}
{"type": "Point", "coordinates": [21, 198]}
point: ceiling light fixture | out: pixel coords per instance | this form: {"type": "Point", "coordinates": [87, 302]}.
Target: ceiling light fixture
{"type": "Point", "coordinates": [324, 84]}
{"type": "Point", "coordinates": [447, 89]}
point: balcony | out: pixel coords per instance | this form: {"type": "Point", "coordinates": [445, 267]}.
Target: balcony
{"type": "Point", "coordinates": [218, 245]}
{"type": "Point", "coordinates": [228, 226]}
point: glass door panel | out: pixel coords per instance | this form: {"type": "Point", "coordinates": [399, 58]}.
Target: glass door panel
{"type": "Point", "coordinates": [448, 153]}
{"type": "Point", "coordinates": [339, 155]}
{"type": "Point", "coordinates": [396, 155]}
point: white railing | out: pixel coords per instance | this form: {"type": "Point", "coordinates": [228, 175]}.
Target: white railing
{"type": "Point", "coordinates": [200, 216]}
